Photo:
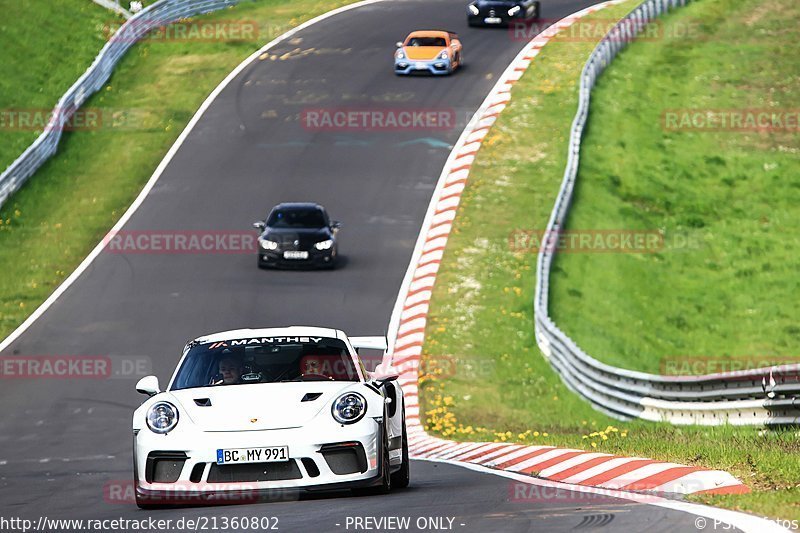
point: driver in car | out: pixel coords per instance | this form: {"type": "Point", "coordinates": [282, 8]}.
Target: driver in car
{"type": "Point", "coordinates": [230, 371]}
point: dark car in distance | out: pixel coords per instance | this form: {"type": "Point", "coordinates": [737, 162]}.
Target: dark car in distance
{"type": "Point", "coordinates": [297, 235]}
{"type": "Point", "coordinates": [502, 12]}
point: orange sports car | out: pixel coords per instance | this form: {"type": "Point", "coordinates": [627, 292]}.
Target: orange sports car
{"type": "Point", "coordinates": [434, 51]}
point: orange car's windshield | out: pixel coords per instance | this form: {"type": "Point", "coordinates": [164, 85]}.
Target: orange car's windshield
{"type": "Point", "coordinates": [426, 41]}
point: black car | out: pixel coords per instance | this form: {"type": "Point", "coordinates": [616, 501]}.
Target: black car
{"type": "Point", "coordinates": [502, 12]}
{"type": "Point", "coordinates": [297, 234]}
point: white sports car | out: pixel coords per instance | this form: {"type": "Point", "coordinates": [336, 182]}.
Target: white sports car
{"type": "Point", "coordinates": [254, 410]}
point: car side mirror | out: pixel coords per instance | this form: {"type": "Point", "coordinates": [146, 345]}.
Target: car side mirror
{"type": "Point", "coordinates": [148, 385]}
{"type": "Point", "coordinates": [398, 44]}
{"type": "Point", "coordinates": [336, 224]}
{"type": "Point", "coordinates": [260, 225]}
{"type": "Point", "coordinates": [383, 381]}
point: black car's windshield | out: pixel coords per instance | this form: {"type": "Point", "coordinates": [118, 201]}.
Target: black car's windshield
{"type": "Point", "coordinates": [296, 218]}
{"type": "Point", "coordinates": [426, 41]}
{"type": "Point", "coordinates": [266, 360]}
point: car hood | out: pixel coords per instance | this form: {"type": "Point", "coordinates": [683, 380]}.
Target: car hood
{"type": "Point", "coordinates": [258, 406]}
{"type": "Point", "coordinates": [423, 52]}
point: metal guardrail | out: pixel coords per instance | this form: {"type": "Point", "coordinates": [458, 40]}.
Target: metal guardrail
{"type": "Point", "coordinates": [159, 14]}
{"type": "Point", "coordinates": [766, 396]}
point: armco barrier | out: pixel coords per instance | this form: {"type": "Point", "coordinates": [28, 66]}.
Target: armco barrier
{"type": "Point", "coordinates": [764, 396]}
{"type": "Point", "coordinates": [154, 16]}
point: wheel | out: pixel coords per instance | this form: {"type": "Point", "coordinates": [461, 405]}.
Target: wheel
{"type": "Point", "coordinates": [401, 478]}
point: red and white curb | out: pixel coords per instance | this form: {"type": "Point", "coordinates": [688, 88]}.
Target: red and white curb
{"type": "Point", "coordinates": [407, 332]}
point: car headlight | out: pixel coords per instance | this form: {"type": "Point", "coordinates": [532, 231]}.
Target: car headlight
{"type": "Point", "coordinates": [513, 11]}
{"type": "Point", "coordinates": [162, 417]}
{"type": "Point", "coordinates": [474, 9]}
{"type": "Point", "coordinates": [324, 245]}
{"type": "Point", "coordinates": [400, 54]}
{"type": "Point", "coordinates": [348, 408]}
{"type": "Point", "coordinates": [268, 245]}
{"type": "Point", "coordinates": [443, 55]}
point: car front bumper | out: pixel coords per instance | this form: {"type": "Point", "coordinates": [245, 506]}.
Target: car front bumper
{"type": "Point", "coordinates": [432, 66]}
{"type": "Point", "coordinates": [316, 258]}
{"type": "Point", "coordinates": [184, 470]}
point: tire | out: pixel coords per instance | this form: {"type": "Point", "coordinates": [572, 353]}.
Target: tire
{"type": "Point", "coordinates": [401, 478]}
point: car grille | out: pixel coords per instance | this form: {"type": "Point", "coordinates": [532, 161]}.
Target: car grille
{"type": "Point", "coordinates": [254, 472]}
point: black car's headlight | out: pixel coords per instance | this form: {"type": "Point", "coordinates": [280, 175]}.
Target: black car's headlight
{"type": "Point", "coordinates": [474, 9]}
{"type": "Point", "coordinates": [324, 245]}
{"type": "Point", "coordinates": [514, 10]}
{"type": "Point", "coordinates": [267, 244]}
{"type": "Point", "coordinates": [162, 417]}
{"type": "Point", "coordinates": [348, 408]}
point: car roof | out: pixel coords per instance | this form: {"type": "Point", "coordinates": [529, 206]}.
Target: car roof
{"type": "Point", "coordinates": [291, 331]}
{"type": "Point", "coordinates": [298, 205]}
{"type": "Point", "coordinates": [430, 33]}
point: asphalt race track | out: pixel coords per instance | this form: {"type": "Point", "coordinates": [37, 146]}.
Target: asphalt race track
{"type": "Point", "coordinates": [65, 444]}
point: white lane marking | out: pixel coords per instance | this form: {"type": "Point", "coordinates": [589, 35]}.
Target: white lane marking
{"type": "Point", "coordinates": [14, 335]}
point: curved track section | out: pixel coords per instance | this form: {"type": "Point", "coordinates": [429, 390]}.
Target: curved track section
{"type": "Point", "coordinates": [65, 445]}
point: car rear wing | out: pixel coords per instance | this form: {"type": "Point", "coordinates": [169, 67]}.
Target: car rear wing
{"type": "Point", "coordinates": [370, 343]}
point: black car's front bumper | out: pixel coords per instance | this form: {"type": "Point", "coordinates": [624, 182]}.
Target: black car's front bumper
{"type": "Point", "coordinates": [316, 259]}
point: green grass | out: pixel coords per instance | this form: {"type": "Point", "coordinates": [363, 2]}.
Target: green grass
{"type": "Point", "coordinates": [733, 294]}
{"type": "Point", "coordinates": [497, 386]}
{"type": "Point", "coordinates": [46, 47]}
{"type": "Point", "coordinates": [75, 198]}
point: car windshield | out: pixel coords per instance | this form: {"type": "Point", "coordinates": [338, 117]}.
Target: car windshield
{"type": "Point", "coordinates": [265, 360]}
{"type": "Point", "coordinates": [296, 218]}
{"type": "Point", "coordinates": [427, 41]}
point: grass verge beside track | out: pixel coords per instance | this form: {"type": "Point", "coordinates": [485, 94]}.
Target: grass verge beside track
{"type": "Point", "coordinates": [54, 221]}
{"type": "Point", "coordinates": [724, 287]}
{"type": "Point", "coordinates": [46, 47]}
{"type": "Point", "coordinates": [485, 378]}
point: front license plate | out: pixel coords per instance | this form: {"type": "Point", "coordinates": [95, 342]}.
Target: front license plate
{"type": "Point", "coordinates": [492, 20]}
{"type": "Point", "coordinates": [295, 255]}
{"type": "Point", "coordinates": [420, 66]}
{"type": "Point", "coordinates": [270, 454]}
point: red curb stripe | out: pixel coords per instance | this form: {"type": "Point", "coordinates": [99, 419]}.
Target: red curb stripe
{"type": "Point", "coordinates": [414, 317]}
{"type": "Point", "coordinates": [471, 152]}
{"type": "Point", "coordinates": [445, 210]}
{"type": "Point", "coordinates": [430, 261]}
{"type": "Point", "coordinates": [538, 467]}
{"type": "Point", "coordinates": [522, 458]}
{"type": "Point", "coordinates": [451, 195]}
{"type": "Point", "coordinates": [580, 468]}
{"type": "Point", "coordinates": [733, 489]}
{"type": "Point", "coordinates": [655, 480]}
{"type": "Point", "coordinates": [481, 453]}
{"type": "Point", "coordinates": [409, 345]}
{"type": "Point", "coordinates": [462, 167]}
{"type": "Point", "coordinates": [617, 471]}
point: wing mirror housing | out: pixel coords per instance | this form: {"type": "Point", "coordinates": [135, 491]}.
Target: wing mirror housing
{"type": "Point", "coordinates": [398, 44]}
{"type": "Point", "coordinates": [384, 380]}
{"type": "Point", "coordinates": [148, 385]}
{"type": "Point", "coordinates": [260, 225]}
